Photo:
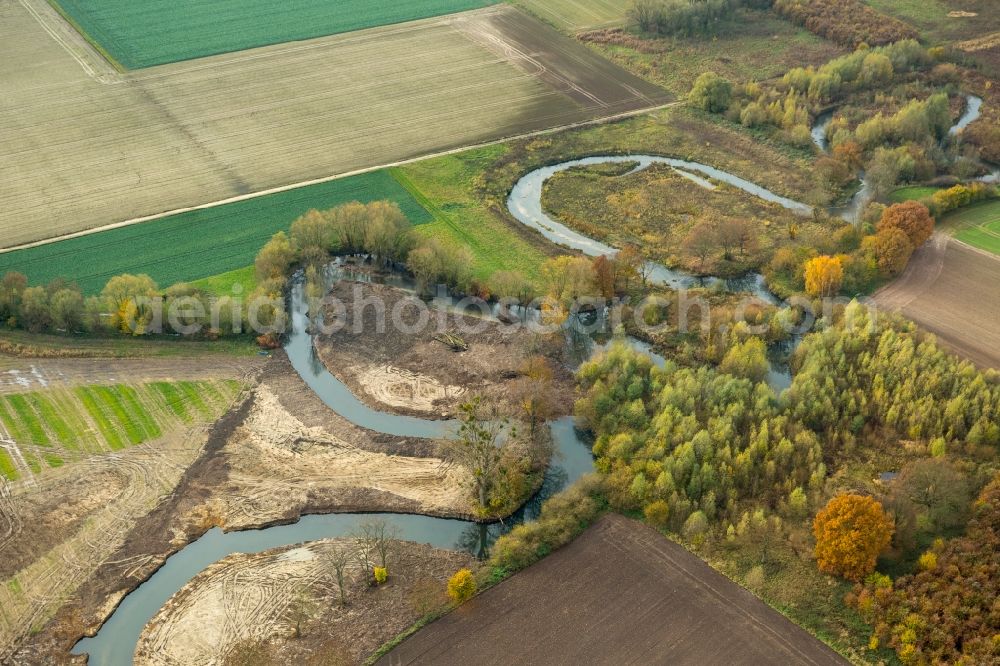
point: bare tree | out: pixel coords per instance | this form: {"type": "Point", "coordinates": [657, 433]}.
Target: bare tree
{"type": "Point", "coordinates": [376, 540]}
{"type": "Point", "coordinates": [532, 392]}
{"type": "Point", "coordinates": [339, 560]}
{"type": "Point", "coordinates": [700, 242]}
{"type": "Point", "coordinates": [729, 234]}
{"type": "Point", "coordinates": [301, 609]}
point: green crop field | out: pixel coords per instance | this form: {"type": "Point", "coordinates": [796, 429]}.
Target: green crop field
{"type": "Point", "coordinates": [978, 225]}
{"type": "Point", "coordinates": [138, 34]}
{"type": "Point", "coordinates": [200, 243]}
{"type": "Point", "coordinates": [55, 426]}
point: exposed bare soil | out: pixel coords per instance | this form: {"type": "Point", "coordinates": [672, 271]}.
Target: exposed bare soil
{"type": "Point", "coordinates": [293, 455]}
{"type": "Point", "coordinates": [89, 533]}
{"type": "Point", "coordinates": [250, 604]}
{"type": "Point", "coordinates": [949, 289]}
{"type": "Point", "coordinates": [18, 375]}
{"type": "Point", "coordinates": [58, 527]}
{"type": "Point", "coordinates": [408, 371]}
{"type": "Point", "coordinates": [621, 593]}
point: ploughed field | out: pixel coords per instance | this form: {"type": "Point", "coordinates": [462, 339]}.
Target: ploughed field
{"type": "Point", "coordinates": [620, 593]}
{"type": "Point", "coordinates": [946, 289]}
{"type": "Point", "coordinates": [155, 32]}
{"type": "Point", "coordinates": [82, 146]}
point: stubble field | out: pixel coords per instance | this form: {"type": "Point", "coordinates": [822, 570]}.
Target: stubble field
{"type": "Point", "coordinates": [83, 147]}
{"type": "Point", "coordinates": [574, 15]}
{"type": "Point", "coordinates": [141, 34]}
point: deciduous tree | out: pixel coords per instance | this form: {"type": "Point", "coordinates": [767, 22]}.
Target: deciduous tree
{"type": "Point", "coordinates": [824, 276]}
{"type": "Point", "coordinates": [479, 447]}
{"type": "Point", "coordinates": [700, 242]}
{"type": "Point", "coordinates": [891, 250]}
{"type": "Point", "coordinates": [711, 93]}
{"type": "Point", "coordinates": [851, 531]}
{"type": "Point", "coordinates": [275, 258]}
{"type": "Point", "coordinates": [912, 218]}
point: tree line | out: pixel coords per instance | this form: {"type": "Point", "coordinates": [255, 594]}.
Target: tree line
{"type": "Point", "coordinates": [686, 18]}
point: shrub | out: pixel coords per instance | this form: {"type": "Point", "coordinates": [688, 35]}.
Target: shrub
{"type": "Point", "coordinates": [711, 93]}
{"type": "Point", "coordinates": [847, 22]}
{"type": "Point", "coordinates": [756, 578]}
{"type": "Point", "coordinates": [461, 586]}
{"type": "Point", "coordinates": [562, 518]}
{"type": "Point", "coordinates": [928, 561]}
{"type": "Point", "coordinates": [381, 575]}
{"type": "Point", "coordinates": [657, 513]}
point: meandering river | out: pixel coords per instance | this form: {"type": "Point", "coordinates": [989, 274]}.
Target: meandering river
{"type": "Point", "coordinates": [115, 643]}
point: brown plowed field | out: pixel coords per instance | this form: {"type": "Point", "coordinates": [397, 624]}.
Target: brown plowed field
{"type": "Point", "coordinates": [82, 146]}
{"type": "Point", "coordinates": [950, 290]}
{"type": "Point", "coordinates": [619, 594]}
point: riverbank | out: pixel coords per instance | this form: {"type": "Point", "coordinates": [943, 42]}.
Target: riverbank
{"type": "Point", "coordinates": [400, 365]}
{"type": "Point", "coordinates": [284, 606]}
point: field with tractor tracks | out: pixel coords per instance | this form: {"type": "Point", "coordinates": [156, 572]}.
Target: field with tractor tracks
{"type": "Point", "coordinates": [83, 146]}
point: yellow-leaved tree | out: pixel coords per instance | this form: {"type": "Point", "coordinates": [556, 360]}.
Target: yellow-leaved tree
{"type": "Point", "coordinates": [461, 586]}
{"type": "Point", "coordinates": [851, 531]}
{"type": "Point", "coordinates": [824, 275]}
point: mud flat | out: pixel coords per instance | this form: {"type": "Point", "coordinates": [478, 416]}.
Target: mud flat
{"type": "Point", "coordinates": [249, 605]}
{"type": "Point", "coordinates": [402, 372]}
{"type": "Point", "coordinates": [292, 455]}
{"type": "Point", "coordinates": [112, 543]}
{"type": "Point", "coordinates": [620, 593]}
{"type": "Point", "coordinates": [947, 289]}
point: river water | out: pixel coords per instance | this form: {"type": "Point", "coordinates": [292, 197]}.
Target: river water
{"type": "Point", "coordinates": [852, 210]}
{"type": "Point", "coordinates": [115, 643]}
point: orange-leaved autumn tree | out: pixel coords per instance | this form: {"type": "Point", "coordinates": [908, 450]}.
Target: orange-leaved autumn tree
{"type": "Point", "coordinates": [912, 218]}
{"type": "Point", "coordinates": [824, 275]}
{"type": "Point", "coordinates": [851, 531]}
{"type": "Point", "coordinates": [891, 249]}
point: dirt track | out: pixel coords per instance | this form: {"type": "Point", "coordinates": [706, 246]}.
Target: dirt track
{"type": "Point", "coordinates": [619, 594]}
{"type": "Point", "coordinates": [950, 290]}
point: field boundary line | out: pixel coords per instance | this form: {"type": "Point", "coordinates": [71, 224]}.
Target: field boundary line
{"type": "Point", "coordinates": [79, 52]}
{"type": "Point", "coordinates": [347, 174]}
{"type": "Point", "coordinates": [975, 249]}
